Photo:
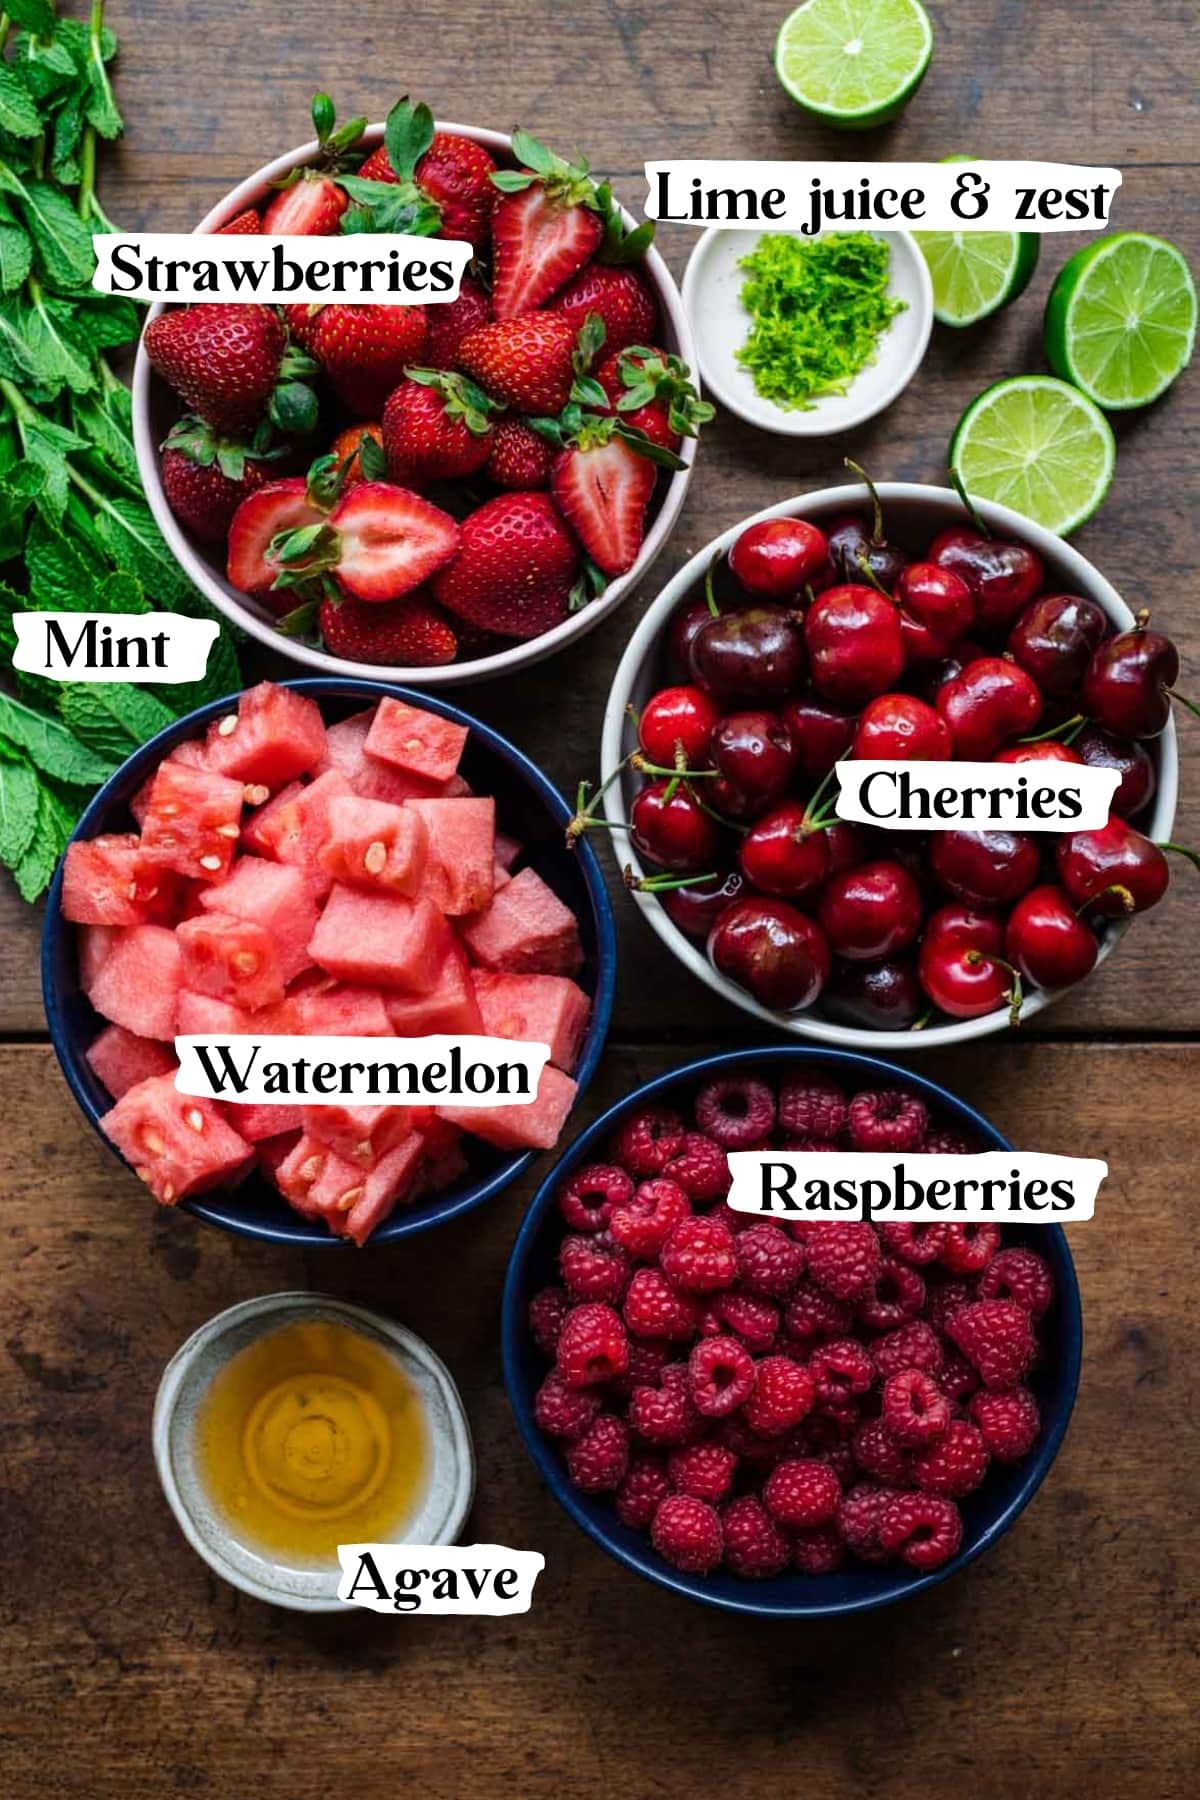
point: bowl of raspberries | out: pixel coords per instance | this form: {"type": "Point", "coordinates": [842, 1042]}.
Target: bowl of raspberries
{"type": "Point", "coordinates": [801, 1418]}
{"type": "Point", "coordinates": [435, 491]}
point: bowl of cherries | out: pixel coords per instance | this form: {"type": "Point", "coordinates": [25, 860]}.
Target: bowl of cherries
{"type": "Point", "coordinates": [916, 626]}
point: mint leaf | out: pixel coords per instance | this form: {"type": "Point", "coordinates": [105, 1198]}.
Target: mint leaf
{"type": "Point", "coordinates": [18, 805]}
{"type": "Point", "coordinates": [36, 15]}
{"type": "Point", "coordinates": [55, 822]}
{"type": "Point", "coordinates": [98, 324]}
{"type": "Point", "coordinates": [112, 717]}
{"type": "Point", "coordinates": [99, 106]}
{"type": "Point", "coordinates": [50, 746]}
{"type": "Point", "coordinates": [18, 114]}
{"type": "Point", "coordinates": [127, 530]}
{"type": "Point", "coordinates": [62, 242]}
{"type": "Point", "coordinates": [16, 257]}
{"type": "Point", "coordinates": [59, 581]}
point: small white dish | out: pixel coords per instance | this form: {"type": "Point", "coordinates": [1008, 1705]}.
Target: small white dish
{"type": "Point", "coordinates": [186, 1381]}
{"type": "Point", "coordinates": [712, 299]}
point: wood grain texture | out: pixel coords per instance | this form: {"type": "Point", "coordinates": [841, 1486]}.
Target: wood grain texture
{"type": "Point", "coordinates": [1061, 1662]}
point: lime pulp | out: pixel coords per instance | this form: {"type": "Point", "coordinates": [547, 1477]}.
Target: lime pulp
{"type": "Point", "coordinates": [854, 63]}
{"type": "Point", "coordinates": [1121, 319]}
{"type": "Point", "coordinates": [1037, 445]}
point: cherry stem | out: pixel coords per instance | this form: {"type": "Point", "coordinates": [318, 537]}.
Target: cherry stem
{"type": "Point", "coordinates": [631, 713]}
{"type": "Point", "coordinates": [710, 595]}
{"type": "Point", "coordinates": [920, 1023]}
{"type": "Point", "coordinates": [959, 486]}
{"type": "Point", "coordinates": [729, 824]}
{"type": "Point", "coordinates": [662, 884]}
{"type": "Point", "coordinates": [585, 819]}
{"type": "Point", "coordinates": [877, 526]}
{"type": "Point", "coordinates": [1184, 701]}
{"type": "Point", "coordinates": [869, 573]}
{"type": "Point", "coordinates": [1014, 995]}
{"type": "Point", "coordinates": [1141, 618]}
{"type": "Point", "coordinates": [812, 812]}
{"type": "Point", "coordinates": [1181, 850]}
{"type": "Point", "coordinates": [644, 766]}
{"type": "Point", "coordinates": [1119, 891]}
{"type": "Point", "coordinates": [1073, 725]}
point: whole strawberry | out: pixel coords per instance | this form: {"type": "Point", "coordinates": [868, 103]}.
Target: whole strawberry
{"type": "Point", "coordinates": [411, 633]}
{"type": "Point", "coordinates": [436, 427]}
{"type": "Point", "coordinates": [519, 459]}
{"type": "Point", "coordinates": [527, 363]}
{"type": "Point", "coordinates": [205, 478]}
{"type": "Point", "coordinates": [360, 447]}
{"type": "Point", "coordinates": [364, 350]}
{"type": "Point", "coordinates": [450, 322]}
{"type": "Point", "coordinates": [224, 360]}
{"type": "Point", "coordinates": [515, 568]}
{"type": "Point", "coordinates": [456, 173]}
{"type": "Point", "coordinates": [622, 299]}
{"type": "Point", "coordinates": [653, 392]}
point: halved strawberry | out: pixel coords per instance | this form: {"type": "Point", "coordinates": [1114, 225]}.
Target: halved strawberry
{"type": "Point", "coordinates": [244, 223]}
{"type": "Point", "coordinates": [410, 633]}
{"type": "Point", "coordinates": [527, 362]}
{"type": "Point", "coordinates": [622, 299]}
{"type": "Point", "coordinates": [310, 203]}
{"type": "Point", "coordinates": [280, 506]}
{"type": "Point", "coordinates": [379, 543]}
{"type": "Point", "coordinates": [603, 487]}
{"type": "Point", "coordinates": [515, 568]}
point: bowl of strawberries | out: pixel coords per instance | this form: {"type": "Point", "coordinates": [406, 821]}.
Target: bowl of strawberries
{"type": "Point", "coordinates": [440, 492]}
{"type": "Point", "coordinates": [913, 627]}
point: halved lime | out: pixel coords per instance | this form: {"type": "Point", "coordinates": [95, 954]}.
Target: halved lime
{"type": "Point", "coordinates": [1039, 446]}
{"type": "Point", "coordinates": [975, 273]}
{"type": "Point", "coordinates": [1121, 319]}
{"type": "Point", "coordinates": [854, 63]}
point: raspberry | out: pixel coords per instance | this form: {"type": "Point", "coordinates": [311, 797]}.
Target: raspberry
{"type": "Point", "coordinates": [1008, 1422]}
{"type": "Point", "coordinates": [768, 1260]}
{"type": "Point", "coordinates": [812, 1313]}
{"type": "Point", "coordinates": [818, 1552]}
{"type": "Point", "coordinates": [783, 1395]}
{"type": "Point", "coordinates": [653, 1309]}
{"type": "Point", "coordinates": [593, 1269]}
{"type": "Point", "coordinates": [699, 1257]}
{"type": "Point", "coordinates": [914, 1408]}
{"type": "Point", "coordinates": [898, 1295]}
{"type": "Point", "coordinates": [841, 1369]}
{"type": "Point", "coordinates": [877, 1453]}
{"type": "Point", "coordinates": [646, 1484]}
{"type": "Point", "coordinates": [703, 1470]}
{"type": "Point", "coordinates": [957, 1377]}
{"type": "Point", "coordinates": [843, 1257]}
{"type": "Point", "coordinates": [687, 1534]}
{"type": "Point", "coordinates": [912, 1243]}
{"type": "Point", "coordinates": [750, 1318]}
{"type": "Point", "coordinates": [811, 1106]}
{"type": "Point", "coordinates": [889, 1119]}
{"type": "Point", "coordinates": [802, 1493]}
{"type": "Point", "coordinates": [734, 1222]}
{"type": "Point", "coordinates": [837, 1455]}
{"type": "Point", "coordinates": [925, 1529]}
{"type": "Point", "coordinates": [664, 1414]}
{"type": "Point", "coordinates": [547, 1311]}
{"type": "Point", "coordinates": [945, 1299]}
{"type": "Point", "coordinates": [970, 1245]}
{"type": "Point", "coordinates": [859, 1514]}
{"type": "Point", "coordinates": [815, 1146]}
{"type": "Point", "coordinates": [755, 1454]}
{"type": "Point", "coordinates": [586, 1199]}
{"type": "Point", "coordinates": [950, 1143]}
{"type": "Point", "coordinates": [563, 1411]}
{"type": "Point", "coordinates": [913, 1346]}
{"type": "Point", "coordinates": [721, 1376]}
{"type": "Point", "coordinates": [643, 1224]}
{"type": "Point", "coordinates": [700, 1168]}
{"type": "Point", "coordinates": [647, 1360]}
{"type": "Point", "coordinates": [1019, 1275]}
{"type": "Point", "coordinates": [997, 1337]}
{"type": "Point", "coordinates": [737, 1111]}
{"type": "Point", "coordinates": [597, 1461]}
{"type": "Point", "coordinates": [755, 1548]}
{"type": "Point", "coordinates": [592, 1346]}
{"type": "Point", "coordinates": [842, 1415]}
{"type": "Point", "coordinates": [647, 1141]}
{"type": "Point", "coordinates": [954, 1467]}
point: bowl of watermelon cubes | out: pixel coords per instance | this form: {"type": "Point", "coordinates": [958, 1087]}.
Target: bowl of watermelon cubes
{"type": "Point", "coordinates": [442, 491]}
{"type": "Point", "coordinates": [323, 858]}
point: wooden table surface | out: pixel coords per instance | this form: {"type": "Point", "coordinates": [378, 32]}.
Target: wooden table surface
{"type": "Point", "coordinates": [1063, 1661]}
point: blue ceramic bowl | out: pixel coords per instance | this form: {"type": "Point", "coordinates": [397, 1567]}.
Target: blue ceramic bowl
{"type": "Point", "coordinates": [987, 1514]}
{"type": "Point", "coordinates": [528, 806]}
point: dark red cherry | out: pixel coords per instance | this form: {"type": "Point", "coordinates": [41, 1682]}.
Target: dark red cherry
{"type": "Point", "coordinates": [985, 868]}
{"type": "Point", "coordinates": [1113, 872]}
{"type": "Point", "coordinates": [1132, 761]}
{"type": "Point", "coordinates": [677, 722]}
{"type": "Point", "coordinates": [1047, 940]}
{"type": "Point", "coordinates": [961, 964]}
{"type": "Point", "coordinates": [846, 844]}
{"type": "Point", "coordinates": [687, 619]}
{"type": "Point", "coordinates": [753, 655]}
{"type": "Point", "coordinates": [901, 728]}
{"type": "Point", "coordinates": [773, 951]}
{"type": "Point", "coordinates": [851, 545]}
{"type": "Point", "coordinates": [871, 911]}
{"type": "Point", "coordinates": [1048, 750]}
{"type": "Point", "coordinates": [936, 611]}
{"type": "Point", "coordinates": [1003, 577]}
{"type": "Point", "coordinates": [821, 733]}
{"type": "Point", "coordinates": [992, 701]}
{"type": "Point", "coordinates": [754, 752]}
{"type": "Point", "coordinates": [779, 558]}
{"type": "Point", "coordinates": [697, 907]}
{"type": "Point", "coordinates": [1053, 640]}
{"type": "Point", "coordinates": [1127, 685]}
{"type": "Point", "coordinates": [854, 645]}
{"type": "Point", "coordinates": [669, 827]}
{"type": "Point", "coordinates": [784, 854]}
{"type": "Point", "coordinates": [963, 654]}
{"type": "Point", "coordinates": [875, 996]}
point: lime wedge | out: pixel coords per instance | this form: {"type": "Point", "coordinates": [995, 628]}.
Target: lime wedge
{"type": "Point", "coordinates": [975, 273]}
{"type": "Point", "coordinates": [1121, 319]}
{"type": "Point", "coordinates": [1039, 446]}
{"type": "Point", "coordinates": [854, 63]}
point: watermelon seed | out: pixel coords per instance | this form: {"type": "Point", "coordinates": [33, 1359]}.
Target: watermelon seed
{"type": "Point", "coordinates": [131, 891]}
{"type": "Point", "coordinates": [255, 795]}
{"type": "Point", "coordinates": [229, 831]}
{"type": "Point", "coordinates": [228, 724]}
{"type": "Point", "coordinates": [168, 1193]}
{"type": "Point", "coordinates": [245, 962]}
{"type": "Point", "coordinates": [376, 858]}
{"type": "Point", "coordinates": [195, 1118]}
{"type": "Point", "coordinates": [312, 1168]}
{"type": "Point", "coordinates": [210, 862]}
{"type": "Point", "coordinates": [151, 1142]}
{"type": "Point", "coordinates": [349, 1199]}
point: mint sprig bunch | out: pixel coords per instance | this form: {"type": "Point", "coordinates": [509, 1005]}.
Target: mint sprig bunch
{"type": "Point", "coordinates": [76, 534]}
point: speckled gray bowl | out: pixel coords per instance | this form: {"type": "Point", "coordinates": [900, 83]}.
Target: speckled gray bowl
{"type": "Point", "coordinates": [187, 1379]}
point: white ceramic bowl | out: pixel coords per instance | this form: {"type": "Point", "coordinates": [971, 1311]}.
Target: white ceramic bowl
{"type": "Point", "coordinates": [913, 513]}
{"type": "Point", "coordinates": [187, 1379]}
{"type": "Point", "coordinates": [155, 408]}
{"type": "Point", "coordinates": [712, 289]}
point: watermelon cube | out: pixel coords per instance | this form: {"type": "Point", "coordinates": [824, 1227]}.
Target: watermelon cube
{"type": "Point", "coordinates": [258, 1123]}
{"type": "Point", "coordinates": [177, 1143]}
{"type": "Point", "coordinates": [525, 931]}
{"type": "Point", "coordinates": [300, 829]}
{"type": "Point", "coordinates": [534, 1126]}
{"type": "Point", "coordinates": [449, 1006]}
{"type": "Point", "coordinates": [120, 1060]}
{"type": "Point", "coordinates": [395, 1177]}
{"type": "Point", "coordinates": [296, 1175]}
{"type": "Point", "coordinates": [275, 896]}
{"type": "Point", "coordinates": [275, 735]}
{"type": "Point", "coordinates": [360, 1134]}
{"type": "Point", "coordinates": [139, 980]}
{"type": "Point", "coordinates": [534, 1009]}
{"type": "Point", "coordinates": [444, 1165]}
{"type": "Point", "coordinates": [108, 881]}
{"type": "Point", "coordinates": [508, 849]}
{"type": "Point", "coordinates": [338, 1011]}
{"type": "Point", "coordinates": [462, 852]}
{"type": "Point", "coordinates": [193, 821]}
{"type": "Point", "coordinates": [92, 944]}
{"type": "Point", "coordinates": [231, 959]}
{"type": "Point", "coordinates": [418, 742]}
{"type": "Point", "coordinates": [275, 1150]}
{"type": "Point", "coordinates": [200, 1015]}
{"type": "Point", "coordinates": [265, 826]}
{"type": "Point", "coordinates": [375, 845]}
{"type": "Point", "coordinates": [381, 940]}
